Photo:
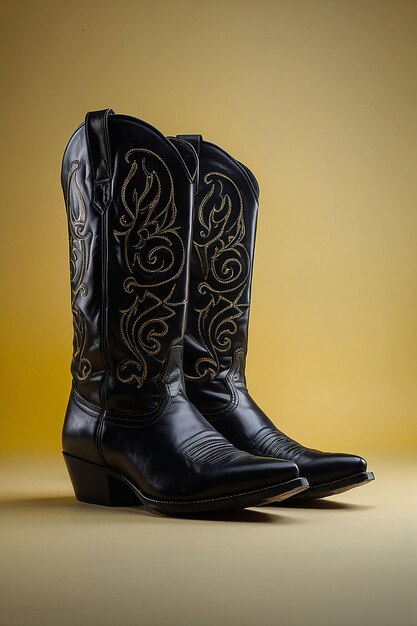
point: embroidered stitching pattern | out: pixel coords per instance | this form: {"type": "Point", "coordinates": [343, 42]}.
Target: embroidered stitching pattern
{"type": "Point", "coordinates": [225, 267]}
{"type": "Point", "coordinates": [154, 255]}
{"type": "Point", "coordinates": [271, 443]}
{"type": "Point", "coordinates": [209, 448]}
{"type": "Point", "coordinates": [79, 261]}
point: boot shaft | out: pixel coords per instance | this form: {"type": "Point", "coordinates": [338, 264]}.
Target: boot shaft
{"type": "Point", "coordinates": [224, 229]}
{"type": "Point", "coordinates": [128, 195]}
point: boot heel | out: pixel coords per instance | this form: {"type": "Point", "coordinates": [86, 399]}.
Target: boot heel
{"type": "Point", "coordinates": [95, 485]}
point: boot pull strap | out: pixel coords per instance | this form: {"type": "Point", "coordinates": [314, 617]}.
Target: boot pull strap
{"type": "Point", "coordinates": [195, 141]}
{"type": "Point", "coordinates": [97, 131]}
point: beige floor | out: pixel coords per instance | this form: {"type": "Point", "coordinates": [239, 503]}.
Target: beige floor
{"type": "Point", "coordinates": [350, 560]}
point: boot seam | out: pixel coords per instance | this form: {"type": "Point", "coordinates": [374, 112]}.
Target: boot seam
{"type": "Point", "coordinates": [234, 401]}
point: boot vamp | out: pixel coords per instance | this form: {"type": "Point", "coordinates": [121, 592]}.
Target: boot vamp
{"type": "Point", "coordinates": [317, 466]}
{"type": "Point", "coordinates": [179, 456]}
{"type": "Point", "coordinates": [250, 429]}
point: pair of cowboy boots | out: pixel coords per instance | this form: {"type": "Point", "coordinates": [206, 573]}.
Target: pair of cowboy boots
{"type": "Point", "coordinates": [162, 235]}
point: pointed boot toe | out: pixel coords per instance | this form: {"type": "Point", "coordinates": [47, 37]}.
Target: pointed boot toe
{"type": "Point", "coordinates": [325, 467]}
{"type": "Point", "coordinates": [330, 474]}
{"type": "Point", "coordinates": [254, 472]}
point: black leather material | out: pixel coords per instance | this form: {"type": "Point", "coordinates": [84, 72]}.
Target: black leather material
{"type": "Point", "coordinates": [98, 141]}
{"type": "Point", "coordinates": [129, 197]}
{"type": "Point", "coordinates": [226, 206]}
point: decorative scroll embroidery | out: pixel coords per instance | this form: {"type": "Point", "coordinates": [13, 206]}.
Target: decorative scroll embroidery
{"type": "Point", "coordinates": [154, 255]}
{"type": "Point", "coordinates": [79, 261]}
{"type": "Point", "coordinates": [225, 266]}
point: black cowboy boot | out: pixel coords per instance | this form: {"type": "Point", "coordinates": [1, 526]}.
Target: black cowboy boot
{"type": "Point", "coordinates": [130, 434]}
{"type": "Point", "coordinates": [226, 205]}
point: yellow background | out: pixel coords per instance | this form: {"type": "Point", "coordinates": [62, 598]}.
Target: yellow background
{"type": "Point", "coordinates": [319, 99]}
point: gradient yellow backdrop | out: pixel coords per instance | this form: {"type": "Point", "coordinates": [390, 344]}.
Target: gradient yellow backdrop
{"type": "Point", "coordinates": [319, 99]}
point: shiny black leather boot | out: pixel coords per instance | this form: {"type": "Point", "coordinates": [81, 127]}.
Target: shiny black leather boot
{"type": "Point", "coordinates": [130, 434]}
{"type": "Point", "coordinates": [226, 205]}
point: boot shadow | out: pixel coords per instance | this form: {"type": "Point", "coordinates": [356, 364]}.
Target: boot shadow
{"type": "Point", "coordinates": [251, 515]}
{"type": "Point", "coordinates": [58, 504]}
